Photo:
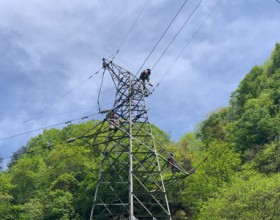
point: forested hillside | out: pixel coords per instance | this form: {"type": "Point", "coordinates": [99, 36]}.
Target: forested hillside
{"type": "Point", "coordinates": [236, 153]}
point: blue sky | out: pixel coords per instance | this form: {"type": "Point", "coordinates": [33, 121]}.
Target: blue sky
{"type": "Point", "coordinates": [51, 48]}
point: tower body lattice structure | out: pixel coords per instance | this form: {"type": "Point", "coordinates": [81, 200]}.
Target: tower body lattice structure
{"type": "Point", "coordinates": [130, 184]}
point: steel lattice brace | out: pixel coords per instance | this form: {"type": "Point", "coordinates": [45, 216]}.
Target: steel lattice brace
{"type": "Point", "coordinates": [130, 184]}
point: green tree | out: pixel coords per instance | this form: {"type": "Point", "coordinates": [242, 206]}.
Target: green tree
{"type": "Point", "coordinates": [33, 209]}
{"type": "Point", "coordinates": [249, 88]}
{"type": "Point", "coordinates": [1, 161]}
{"type": "Point", "coordinates": [249, 196]}
{"type": "Point", "coordinates": [59, 205]}
{"type": "Point", "coordinates": [7, 211]}
{"type": "Point", "coordinates": [268, 160]}
{"type": "Point", "coordinates": [214, 166]}
{"type": "Point", "coordinates": [257, 126]}
{"type": "Point", "coordinates": [213, 128]}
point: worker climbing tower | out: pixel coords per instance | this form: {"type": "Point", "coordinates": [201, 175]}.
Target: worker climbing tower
{"type": "Point", "coordinates": [131, 183]}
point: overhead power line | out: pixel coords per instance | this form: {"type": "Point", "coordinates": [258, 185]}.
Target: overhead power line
{"type": "Point", "coordinates": [188, 43]}
{"type": "Point", "coordinates": [162, 36]}
{"type": "Point", "coordinates": [27, 132]}
{"type": "Point", "coordinates": [53, 115]}
{"type": "Point", "coordinates": [130, 29]}
{"type": "Point", "coordinates": [58, 99]}
{"type": "Point", "coordinates": [50, 126]}
{"type": "Point", "coordinates": [181, 52]}
{"type": "Point", "coordinates": [98, 97]}
{"type": "Point", "coordinates": [176, 35]}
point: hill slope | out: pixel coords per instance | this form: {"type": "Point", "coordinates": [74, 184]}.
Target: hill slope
{"type": "Point", "coordinates": [237, 152]}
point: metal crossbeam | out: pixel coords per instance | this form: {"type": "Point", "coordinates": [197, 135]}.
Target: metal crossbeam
{"type": "Point", "coordinates": [130, 184]}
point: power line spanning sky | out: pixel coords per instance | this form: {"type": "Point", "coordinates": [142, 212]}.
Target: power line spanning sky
{"type": "Point", "coordinates": [47, 48]}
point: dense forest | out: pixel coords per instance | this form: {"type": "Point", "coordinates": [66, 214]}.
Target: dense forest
{"type": "Point", "coordinates": [235, 151]}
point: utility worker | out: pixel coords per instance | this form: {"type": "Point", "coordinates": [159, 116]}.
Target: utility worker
{"type": "Point", "coordinates": [171, 162]}
{"type": "Point", "coordinates": [104, 64]}
{"type": "Point", "coordinates": [145, 76]}
{"type": "Point", "coordinates": [113, 120]}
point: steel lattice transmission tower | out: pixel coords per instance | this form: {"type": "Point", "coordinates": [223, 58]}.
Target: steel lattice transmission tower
{"type": "Point", "coordinates": [130, 184]}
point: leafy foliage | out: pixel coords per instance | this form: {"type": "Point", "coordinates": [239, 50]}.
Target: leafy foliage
{"type": "Point", "coordinates": [249, 196]}
{"type": "Point", "coordinates": [49, 178]}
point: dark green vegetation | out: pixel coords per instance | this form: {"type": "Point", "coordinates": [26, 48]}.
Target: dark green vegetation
{"type": "Point", "coordinates": [236, 152]}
